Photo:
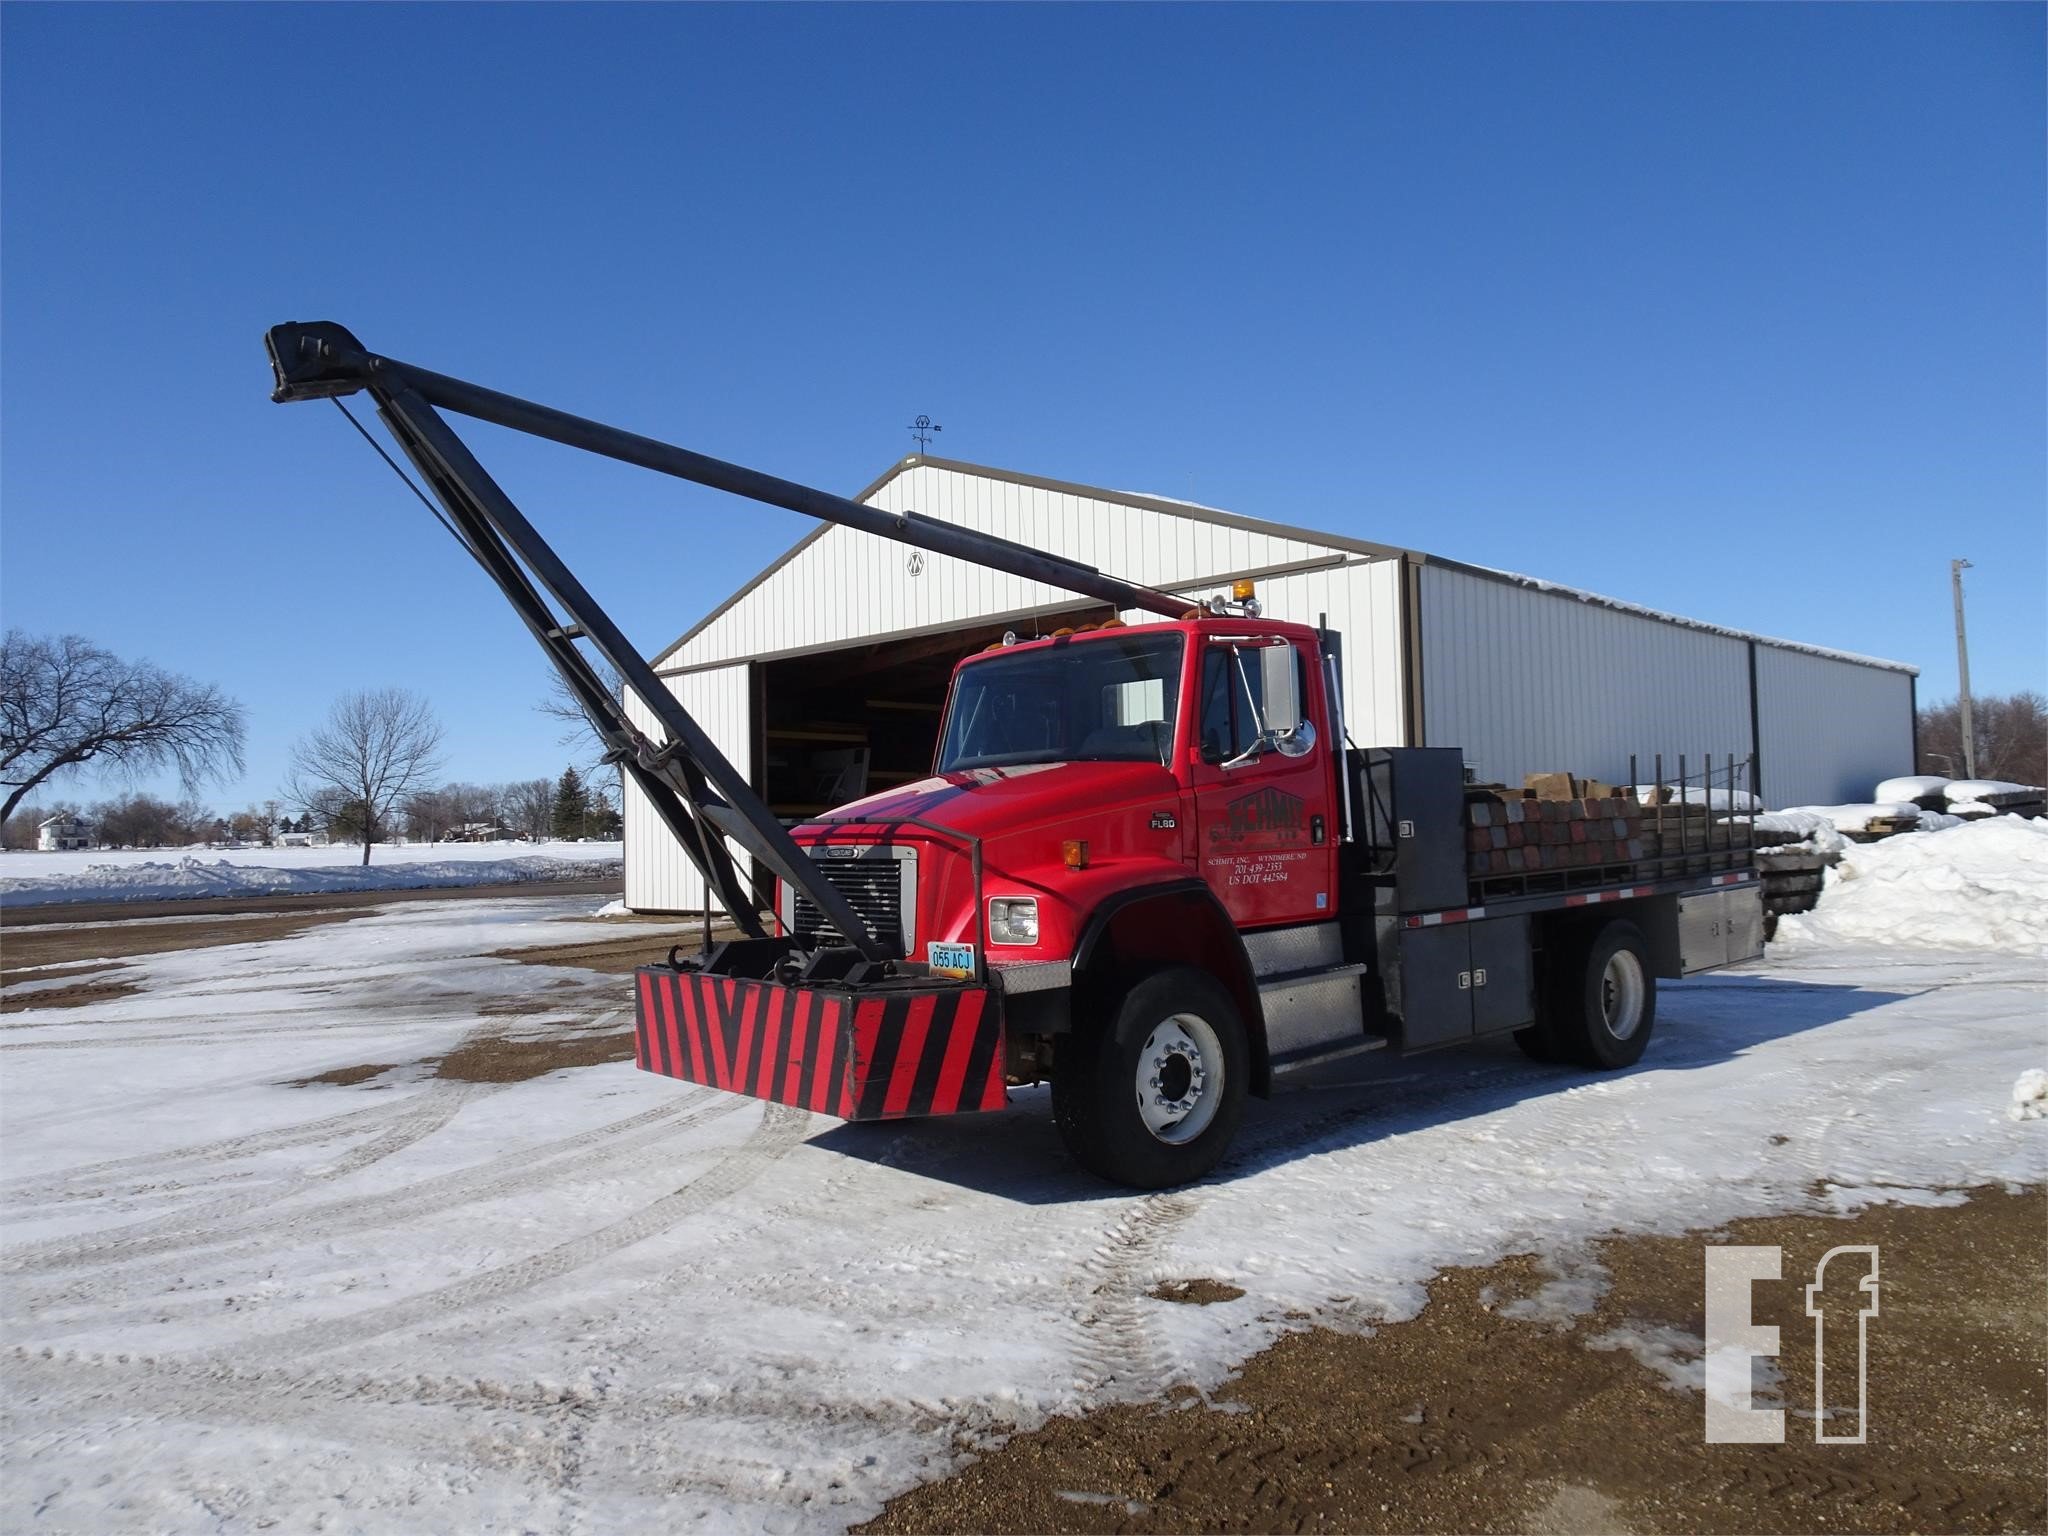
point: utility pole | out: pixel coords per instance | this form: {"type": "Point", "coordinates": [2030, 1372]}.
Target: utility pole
{"type": "Point", "coordinates": [1955, 576]}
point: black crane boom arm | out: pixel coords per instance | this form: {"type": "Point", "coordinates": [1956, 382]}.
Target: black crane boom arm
{"type": "Point", "coordinates": [700, 796]}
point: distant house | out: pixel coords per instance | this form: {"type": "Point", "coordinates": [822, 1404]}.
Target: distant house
{"type": "Point", "coordinates": [62, 833]}
{"type": "Point", "coordinates": [479, 832]}
{"type": "Point", "coordinates": [302, 839]}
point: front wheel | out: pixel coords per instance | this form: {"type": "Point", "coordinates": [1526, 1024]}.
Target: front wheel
{"type": "Point", "coordinates": [1152, 1096]}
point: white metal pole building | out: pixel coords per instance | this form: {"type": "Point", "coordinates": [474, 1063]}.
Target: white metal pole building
{"type": "Point", "coordinates": [822, 678]}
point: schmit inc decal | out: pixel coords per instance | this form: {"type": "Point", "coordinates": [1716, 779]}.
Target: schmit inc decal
{"type": "Point", "coordinates": [1265, 816]}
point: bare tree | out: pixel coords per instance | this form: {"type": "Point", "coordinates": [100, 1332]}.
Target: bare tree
{"type": "Point", "coordinates": [376, 749]}
{"type": "Point", "coordinates": [2011, 732]}
{"type": "Point", "coordinates": [145, 821]}
{"type": "Point", "coordinates": [66, 704]}
{"type": "Point", "coordinates": [602, 778]}
{"type": "Point", "coordinates": [530, 807]}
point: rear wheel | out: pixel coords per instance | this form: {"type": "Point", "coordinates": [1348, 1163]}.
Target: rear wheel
{"type": "Point", "coordinates": [1602, 1005]}
{"type": "Point", "coordinates": [1153, 1096]}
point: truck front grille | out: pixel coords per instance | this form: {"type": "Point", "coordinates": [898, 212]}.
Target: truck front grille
{"type": "Point", "coordinates": [879, 886]}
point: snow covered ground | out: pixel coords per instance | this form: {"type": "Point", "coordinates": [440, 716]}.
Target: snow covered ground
{"type": "Point", "coordinates": [604, 1300]}
{"type": "Point", "coordinates": [34, 878]}
{"type": "Point", "coordinates": [607, 1299]}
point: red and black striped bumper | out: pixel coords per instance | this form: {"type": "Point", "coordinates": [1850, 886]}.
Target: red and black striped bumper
{"type": "Point", "coordinates": [857, 1055]}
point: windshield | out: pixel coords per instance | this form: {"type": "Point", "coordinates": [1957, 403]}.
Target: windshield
{"type": "Point", "coordinates": [1103, 700]}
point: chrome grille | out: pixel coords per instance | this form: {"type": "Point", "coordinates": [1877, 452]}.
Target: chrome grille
{"type": "Point", "coordinates": [874, 885]}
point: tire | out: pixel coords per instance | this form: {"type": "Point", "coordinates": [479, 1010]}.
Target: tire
{"type": "Point", "coordinates": [1537, 1044]}
{"type": "Point", "coordinates": [1176, 1031]}
{"type": "Point", "coordinates": [1602, 1006]}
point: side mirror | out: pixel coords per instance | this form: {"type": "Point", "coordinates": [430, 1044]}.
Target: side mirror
{"type": "Point", "coordinates": [1280, 676]}
{"type": "Point", "coordinates": [1298, 742]}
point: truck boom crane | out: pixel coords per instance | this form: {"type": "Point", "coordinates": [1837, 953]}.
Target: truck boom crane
{"type": "Point", "coordinates": [1148, 865]}
{"type": "Point", "coordinates": [697, 792]}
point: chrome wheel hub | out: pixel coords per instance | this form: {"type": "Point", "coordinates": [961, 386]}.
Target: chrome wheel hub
{"type": "Point", "coordinates": [1180, 1077]}
{"type": "Point", "coordinates": [1622, 993]}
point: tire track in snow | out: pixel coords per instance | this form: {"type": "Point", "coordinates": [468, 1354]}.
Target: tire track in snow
{"type": "Point", "coordinates": [533, 1429]}
{"type": "Point", "coordinates": [431, 1111]}
{"type": "Point", "coordinates": [526, 1168]}
{"type": "Point", "coordinates": [310, 1132]}
{"type": "Point", "coordinates": [780, 1128]}
{"type": "Point", "coordinates": [1117, 1350]}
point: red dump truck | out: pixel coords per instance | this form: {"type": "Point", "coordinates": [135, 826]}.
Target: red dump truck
{"type": "Point", "coordinates": [1149, 866]}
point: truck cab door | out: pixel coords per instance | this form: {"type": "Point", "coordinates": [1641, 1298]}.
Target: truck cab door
{"type": "Point", "coordinates": [1260, 771]}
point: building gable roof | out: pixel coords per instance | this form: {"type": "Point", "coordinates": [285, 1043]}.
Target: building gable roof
{"type": "Point", "coordinates": [1164, 505]}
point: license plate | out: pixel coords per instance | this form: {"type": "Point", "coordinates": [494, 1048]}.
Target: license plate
{"type": "Point", "coordinates": [950, 959]}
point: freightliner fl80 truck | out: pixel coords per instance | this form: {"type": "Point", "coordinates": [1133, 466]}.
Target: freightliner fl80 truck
{"type": "Point", "coordinates": [1149, 866]}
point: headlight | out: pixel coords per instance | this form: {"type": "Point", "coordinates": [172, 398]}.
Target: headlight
{"type": "Point", "coordinates": [1013, 920]}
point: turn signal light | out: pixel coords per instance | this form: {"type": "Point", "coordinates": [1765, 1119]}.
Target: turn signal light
{"type": "Point", "coordinates": [1075, 852]}
{"type": "Point", "coordinates": [1243, 590]}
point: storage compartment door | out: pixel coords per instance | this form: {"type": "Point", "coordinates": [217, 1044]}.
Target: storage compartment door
{"type": "Point", "coordinates": [1503, 977]}
{"type": "Point", "coordinates": [1717, 928]}
{"type": "Point", "coordinates": [1745, 923]}
{"type": "Point", "coordinates": [1436, 985]}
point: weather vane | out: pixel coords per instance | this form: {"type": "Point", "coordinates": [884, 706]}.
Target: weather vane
{"type": "Point", "coordinates": [921, 431]}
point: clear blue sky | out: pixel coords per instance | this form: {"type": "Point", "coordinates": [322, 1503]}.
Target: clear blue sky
{"type": "Point", "coordinates": [1733, 310]}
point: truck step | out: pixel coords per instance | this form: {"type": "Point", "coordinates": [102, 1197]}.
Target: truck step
{"type": "Point", "coordinates": [1309, 1012]}
{"type": "Point", "coordinates": [1281, 980]}
{"type": "Point", "coordinates": [1315, 1056]}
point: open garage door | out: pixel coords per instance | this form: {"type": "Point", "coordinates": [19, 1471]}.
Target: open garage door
{"type": "Point", "coordinates": [816, 730]}
{"type": "Point", "coordinates": [834, 725]}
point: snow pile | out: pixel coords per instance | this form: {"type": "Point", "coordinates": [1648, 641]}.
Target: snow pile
{"type": "Point", "coordinates": [30, 863]}
{"type": "Point", "coordinates": [614, 909]}
{"type": "Point", "coordinates": [1797, 831]}
{"type": "Point", "coordinates": [1854, 818]}
{"type": "Point", "coordinates": [198, 877]}
{"type": "Point", "coordinates": [1982, 885]}
{"type": "Point", "coordinates": [2030, 1096]}
{"type": "Point", "coordinates": [1991, 791]}
{"type": "Point", "coordinates": [1917, 786]}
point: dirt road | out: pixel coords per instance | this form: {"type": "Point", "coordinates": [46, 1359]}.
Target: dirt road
{"type": "Point", "coordinates": [69, 913]}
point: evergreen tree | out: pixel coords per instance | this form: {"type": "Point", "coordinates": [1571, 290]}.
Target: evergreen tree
{"type": "Point", "coordinates": [572, 805]}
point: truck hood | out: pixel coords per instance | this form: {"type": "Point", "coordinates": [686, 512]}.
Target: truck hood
{"type": "Point", "coordinates": [988, 802]}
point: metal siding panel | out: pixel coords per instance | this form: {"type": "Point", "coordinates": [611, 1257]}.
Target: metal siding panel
{"type": "Point", "coordinates": [1830, 730]}
{"type": "Point", "coordinates": [1363, 604]}
{"type": "Point", "coordinates": [1529, 681]}
{"type": "Point", "coordinates": [658, 877]}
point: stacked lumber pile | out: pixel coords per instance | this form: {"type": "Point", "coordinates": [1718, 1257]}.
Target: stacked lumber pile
{"type": "Point", "coordinates": [1554, 823]}
{"type": "Point", "coordinates": [1792, 879]}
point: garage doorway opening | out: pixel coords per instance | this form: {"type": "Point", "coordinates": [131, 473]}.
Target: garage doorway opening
{"type": "Point", "coordinates": [832, 726]}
